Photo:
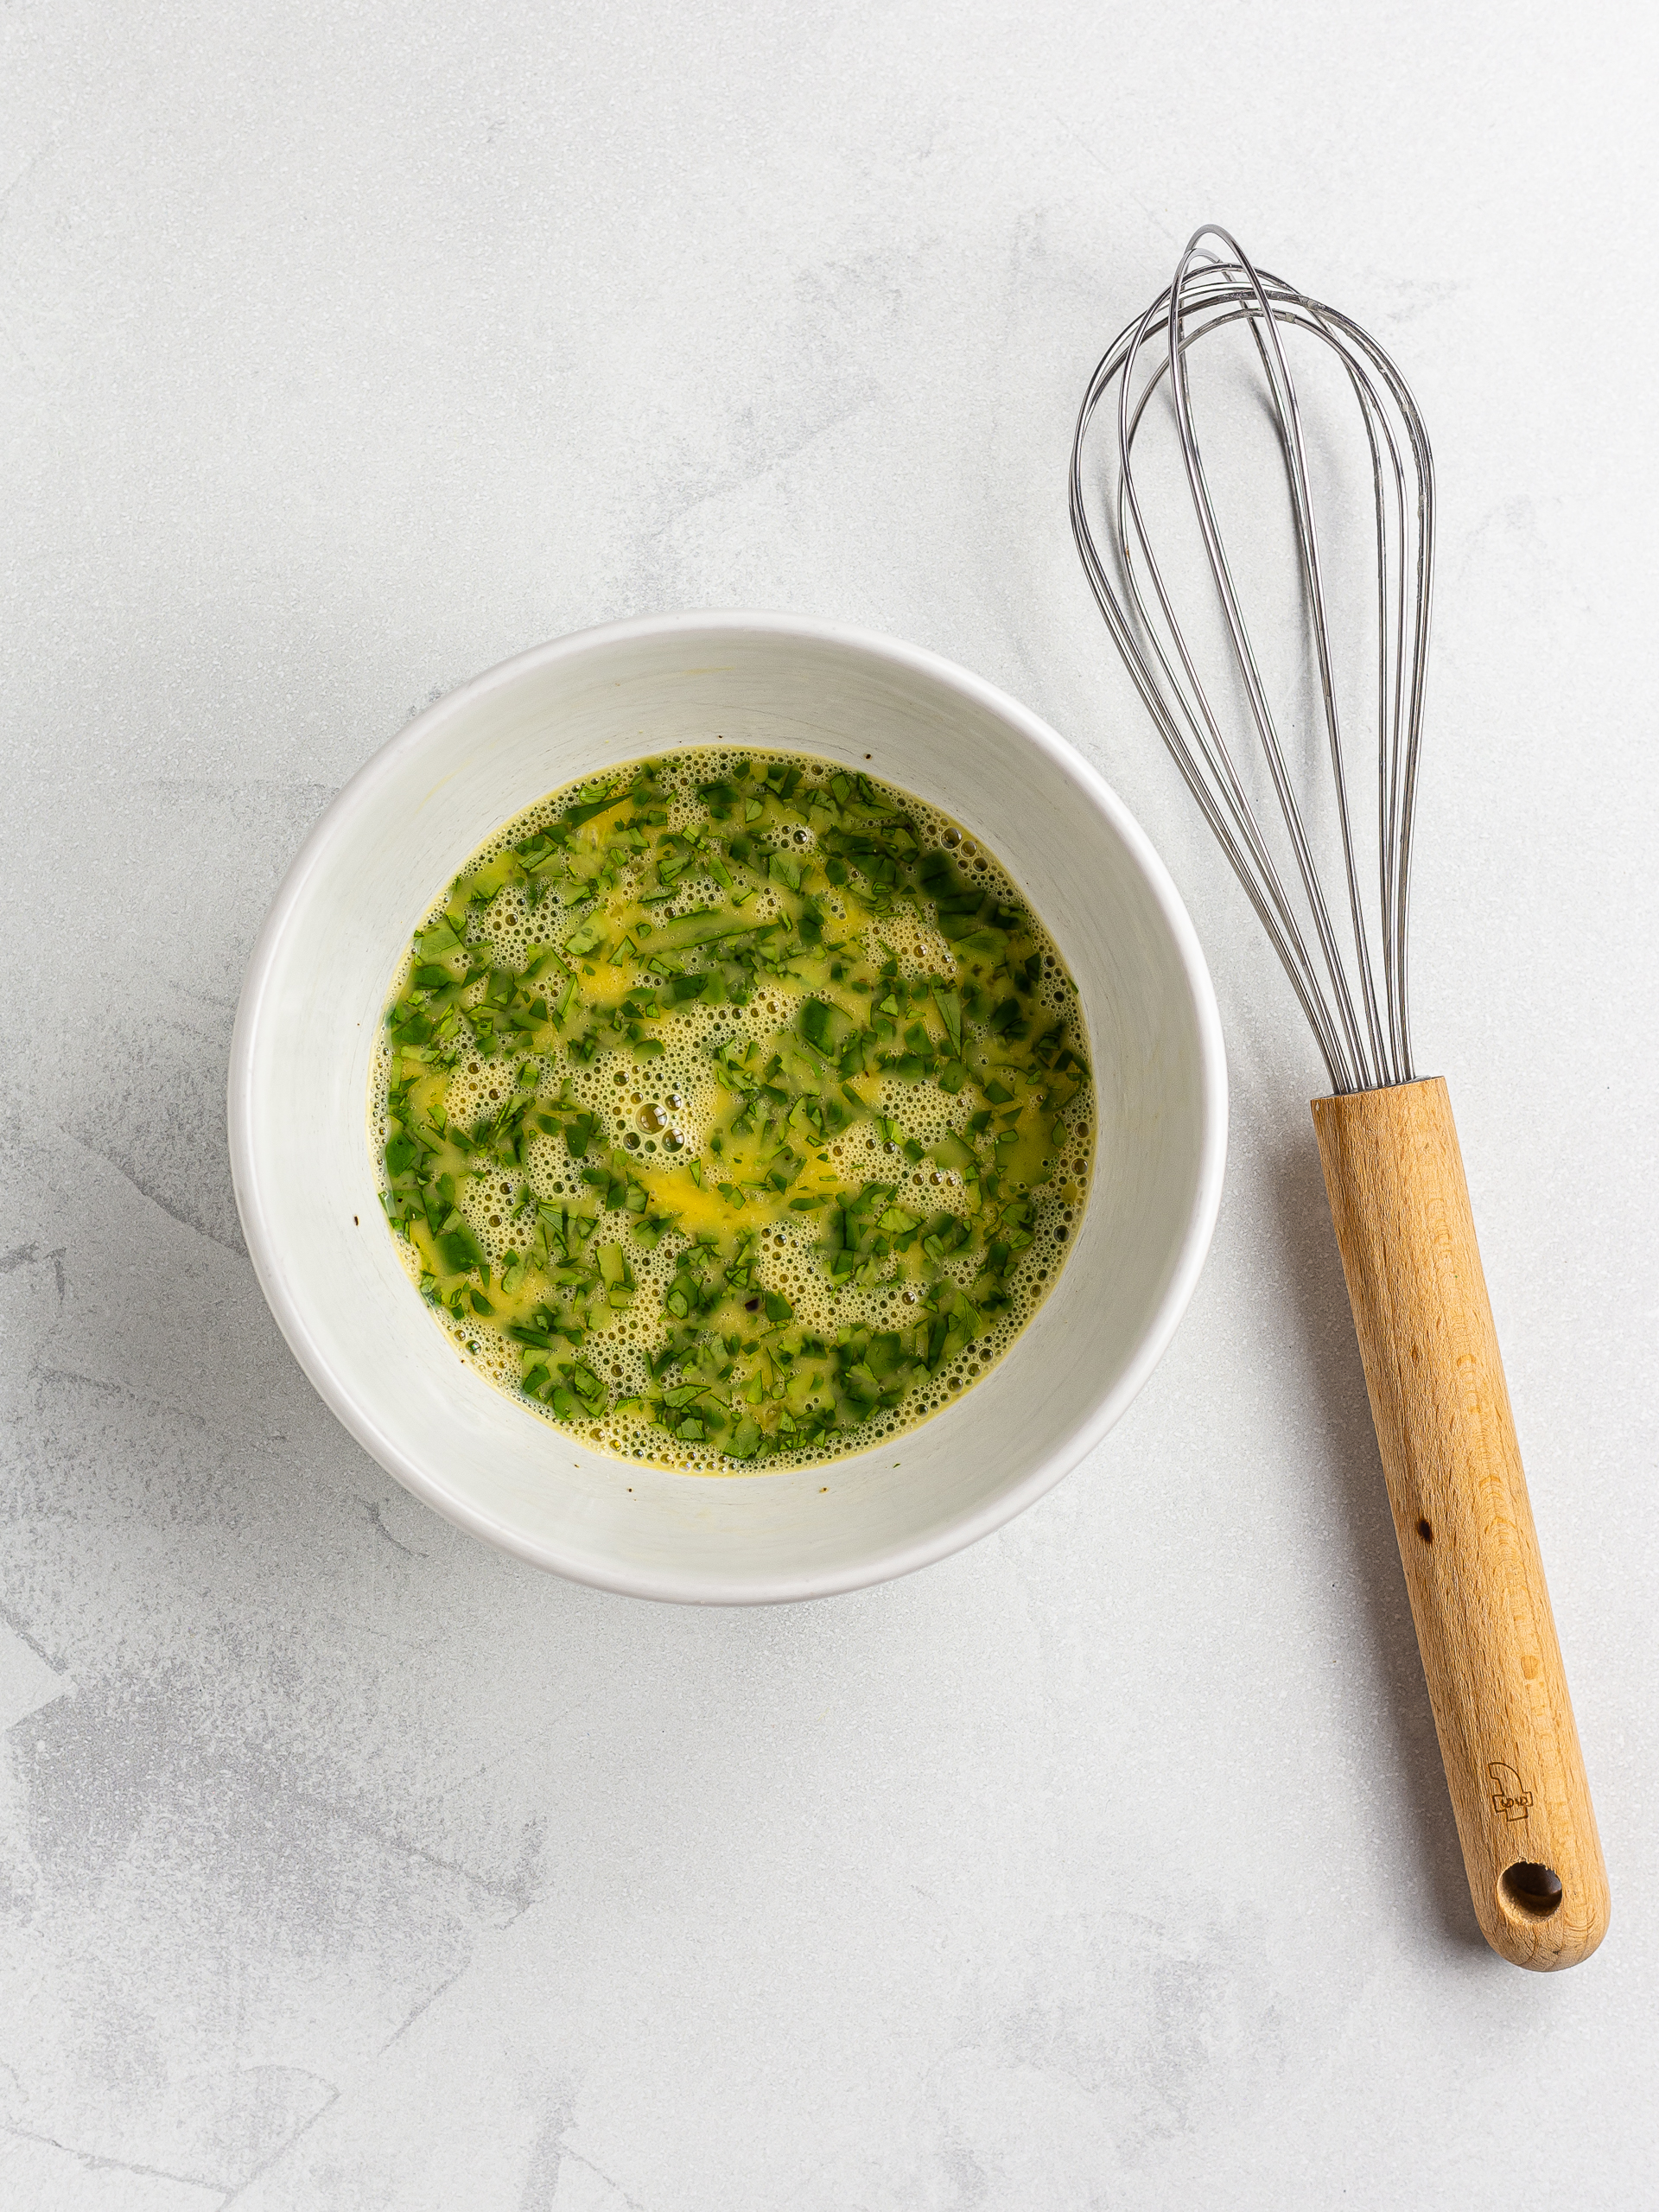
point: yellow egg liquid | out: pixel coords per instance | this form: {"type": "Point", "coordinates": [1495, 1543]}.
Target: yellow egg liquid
{"type": "Point", "coordinates": [733, 1111]}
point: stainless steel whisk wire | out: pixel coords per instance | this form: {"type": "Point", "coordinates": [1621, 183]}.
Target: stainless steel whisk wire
{"type": "Point", "coordinates": [1365, 1045]}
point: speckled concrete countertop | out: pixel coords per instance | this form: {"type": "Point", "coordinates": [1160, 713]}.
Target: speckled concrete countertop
{"type": "Point", "coordinates": [345, 1863]}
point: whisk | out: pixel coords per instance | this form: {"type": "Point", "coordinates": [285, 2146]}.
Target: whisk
{"type": "Point", "coordinates": [1336, 915]}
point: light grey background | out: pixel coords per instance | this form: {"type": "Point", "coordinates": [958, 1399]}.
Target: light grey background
{"type": "Point", "coordinates": [345, 1863]}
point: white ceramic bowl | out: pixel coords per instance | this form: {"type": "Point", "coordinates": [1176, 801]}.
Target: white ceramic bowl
{"type": "Point", "coordinates": [305, 1181]}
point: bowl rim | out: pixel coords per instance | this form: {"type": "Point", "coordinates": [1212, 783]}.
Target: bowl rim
{"type": "Point", "coordinates": [898, 1558]}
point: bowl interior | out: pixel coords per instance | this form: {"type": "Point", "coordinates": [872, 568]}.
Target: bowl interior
{"type": "Point", "coordinates": [323, 966]}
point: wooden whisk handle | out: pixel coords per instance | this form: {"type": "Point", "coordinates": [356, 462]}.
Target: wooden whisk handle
{"type": "Point", "coordinates": [1394, 1175]}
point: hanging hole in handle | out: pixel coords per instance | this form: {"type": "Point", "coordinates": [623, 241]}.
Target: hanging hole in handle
{"type": "Point", "coordinates": [1534, 1890]}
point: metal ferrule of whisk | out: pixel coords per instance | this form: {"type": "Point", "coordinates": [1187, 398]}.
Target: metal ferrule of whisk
{"type": "Point", "coordinates": [1350, 976]}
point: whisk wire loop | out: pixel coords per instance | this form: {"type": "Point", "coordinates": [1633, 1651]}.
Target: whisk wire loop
{"type": "Point", "coordinates": [1287, 419]}
{"type": "Point", "coordinates": [1363, 1035]}
{"type": "Point", "coordinates": [1262, 880]}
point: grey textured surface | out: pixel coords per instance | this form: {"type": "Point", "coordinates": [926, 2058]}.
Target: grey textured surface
{"type": "Point", "coordinates": [345, 1863]}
